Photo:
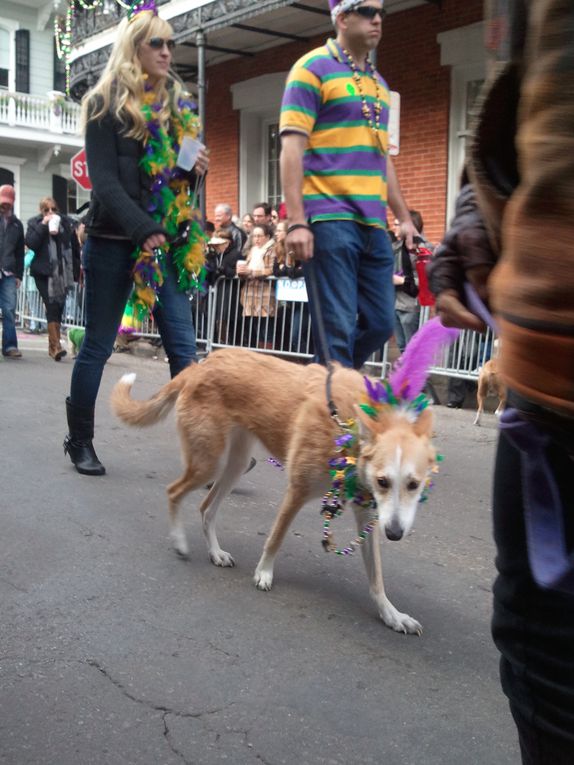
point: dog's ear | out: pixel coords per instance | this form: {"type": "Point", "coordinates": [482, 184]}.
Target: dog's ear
{"type": "Point", "coordinates": [424, 423]}
{"type": "Point", "coordinates": [368, 427]}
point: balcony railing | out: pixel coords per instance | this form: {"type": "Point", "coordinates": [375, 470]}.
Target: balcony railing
{"type": "Point", "coordinates": [53, 113]}
{"type": "Point", "coordinates": [90, 22]}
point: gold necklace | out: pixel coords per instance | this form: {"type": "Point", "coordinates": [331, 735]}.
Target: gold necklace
{"type": "Point", "coordinates": [374, 124]}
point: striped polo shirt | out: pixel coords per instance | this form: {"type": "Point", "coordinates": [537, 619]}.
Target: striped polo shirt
{"type": "Point", "coordinates": [345, 164]}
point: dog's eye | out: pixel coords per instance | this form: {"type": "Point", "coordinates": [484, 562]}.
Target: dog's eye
{"type": "Point", "coordinates": [384, 483]}
{"type": "Point", "coordinates": [413, 485]}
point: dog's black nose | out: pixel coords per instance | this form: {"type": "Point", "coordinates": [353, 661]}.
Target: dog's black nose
{"type": "Point", "coordinates": [394, 533]}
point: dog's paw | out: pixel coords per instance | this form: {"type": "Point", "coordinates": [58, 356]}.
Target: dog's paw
{"type": "Point", "coordinates": [179, 542]}
{"type": "Point", "coordinates": [221, 558]}
{"type": "Point", "coordinates": [263, 580]}
{"type": "Point", "coordinates": [400, 622]}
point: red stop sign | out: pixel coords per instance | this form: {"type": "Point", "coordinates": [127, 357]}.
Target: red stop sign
{"type": "Point", "coordinates": [79, 168]}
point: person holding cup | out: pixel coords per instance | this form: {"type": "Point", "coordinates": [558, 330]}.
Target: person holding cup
{"type": "Point", "coordinates": [55, 266]}
{"type": "Point", "coordinates": [145, 246]}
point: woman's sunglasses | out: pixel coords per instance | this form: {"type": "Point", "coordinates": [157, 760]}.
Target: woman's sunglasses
{"type": "Point", "coordinates": [369, 12]}
{"type": "Point", "coordinates": [49, 209]}
{"type": "Point", "coordinates": [157, 43]}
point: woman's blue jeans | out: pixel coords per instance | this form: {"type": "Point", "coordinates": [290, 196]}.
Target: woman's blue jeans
{"type": "Point", "coordinates": [108, 267]}
{"type": "Point", "coordinates": [353, 269]}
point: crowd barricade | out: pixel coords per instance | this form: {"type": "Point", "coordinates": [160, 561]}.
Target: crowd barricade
{"type": "Point", "coordinates": [279, 324]}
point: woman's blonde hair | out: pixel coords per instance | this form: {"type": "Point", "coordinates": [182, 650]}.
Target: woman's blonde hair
{"type": "Point", "coordinates": [120, 88]}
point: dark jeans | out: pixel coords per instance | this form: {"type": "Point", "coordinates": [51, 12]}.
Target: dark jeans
{"type": "Point", "coordinates": [353, 267]}
{"type": "Point", "coordinates": [533, 628]}
{"type": "Point", "coordinates": [54, 310]}
{"type": "Point", "coordinates": [8, 300]}
{"type": "Point", "coordinates": [107, 266]}
{"type": "Point", "coordinates": [406, 324]}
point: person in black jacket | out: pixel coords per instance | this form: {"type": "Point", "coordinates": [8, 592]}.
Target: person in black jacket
{"type": "Point", "coordinates": [142, 232]}
{"type": "Point", "coordinates": [11, 269]}
{"type": "Point", "coordinates": [55, 267]}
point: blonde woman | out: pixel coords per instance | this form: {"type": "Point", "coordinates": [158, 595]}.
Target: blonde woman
{"type": "Point", "coordinates": [134, 119]}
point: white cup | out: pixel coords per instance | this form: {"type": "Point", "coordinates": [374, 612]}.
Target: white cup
{"type": "Point", "coordinates": [54, 224]}
{"type": "Point", "coordinates": [188, 152]}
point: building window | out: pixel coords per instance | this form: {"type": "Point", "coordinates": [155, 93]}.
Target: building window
{"type": "Point", "coordinates": [273, 173]}
{"type": "Point", "coordinates": [4, 58]}
{"type": "Point", "coordinates": [77, 197]}
{"type": "Point", "coordinates": [59, 71]}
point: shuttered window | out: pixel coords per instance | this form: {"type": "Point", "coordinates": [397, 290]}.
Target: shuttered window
{"type": "Point", "coordinates": [22, 37]}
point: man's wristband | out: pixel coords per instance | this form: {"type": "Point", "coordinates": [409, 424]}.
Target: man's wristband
{"type": "Point", "coordinates": [295, 226]}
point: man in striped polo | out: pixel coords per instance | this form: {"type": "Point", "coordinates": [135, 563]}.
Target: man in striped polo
{"type": "Point", "coordinates": [337, 176]}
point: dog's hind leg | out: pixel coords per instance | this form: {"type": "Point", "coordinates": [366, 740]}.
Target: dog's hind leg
{"type": "Point", "coordinates": [175, 492]}
{"type": "Point", "coordinates": [233, 465]}
{"type": "Point", "coordinates": [292, 503]}
{"type": "Point", "coordinates": [371, 550]}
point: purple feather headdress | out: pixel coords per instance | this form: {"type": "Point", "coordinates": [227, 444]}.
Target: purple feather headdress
{"type": "Point", "coordinates": [410, 374]}
{"type": "Point", "coordinates": [139, 6]}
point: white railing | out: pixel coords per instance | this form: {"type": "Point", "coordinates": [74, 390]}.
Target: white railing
{"type": "Point", "coordinates": [52, 113]}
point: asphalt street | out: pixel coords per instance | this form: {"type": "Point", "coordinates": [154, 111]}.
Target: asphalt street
{"type": "Point", "coordinates": [113, 650]}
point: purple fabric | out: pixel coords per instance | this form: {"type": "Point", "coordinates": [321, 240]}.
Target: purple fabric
{"type": "Point", "coordinates": [552, 566]}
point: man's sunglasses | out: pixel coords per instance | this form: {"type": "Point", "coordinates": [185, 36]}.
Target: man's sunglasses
{"type": "Point", "coordinates": [157, 43]}
{"type": "Point", "coordinates": [369, 12]}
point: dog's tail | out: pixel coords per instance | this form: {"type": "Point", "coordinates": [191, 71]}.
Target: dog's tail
{"type": "Point", "coordinates": [142, 413]}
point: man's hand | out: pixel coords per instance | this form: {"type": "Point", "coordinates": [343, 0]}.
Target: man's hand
{"type": "Point", "coordinates": [453, 313]}
{"type": "Point", "coordinates": [153, 241]}
{"type": "Point", "coordinates": [299, 243]}
{"type": "Point", "coordinates": [408, 233]}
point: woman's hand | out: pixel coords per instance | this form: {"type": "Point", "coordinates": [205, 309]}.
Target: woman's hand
{"type": "Point", "coordinates": [153, 241]}
{"type": "Point", "coordinates": [398, 280]}
{"type": "Point", "coordinates": [242, 269]}
{"type": "Point", "coordinates": [202, 162]}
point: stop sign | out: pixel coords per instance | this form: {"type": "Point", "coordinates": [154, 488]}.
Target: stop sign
{"type": "Point", "coordinates": [79, 168]}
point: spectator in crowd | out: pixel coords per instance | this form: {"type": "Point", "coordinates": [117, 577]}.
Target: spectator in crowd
{"type": "Point", "coordinates": [258, 294]}
{"type": "Point", "coordinates": [247, 223]}
{"type": "Point", "coordinates": [274, 217]}
{"type": "Point", "coordinates": [336, 196]}
{"type": "Point", "coordinates": [11, 269]}
{"type": "Point", "coordinates": [209, 229]}
{"type": "Point", "coordinates": [262, 215]}
{"type": "Point", "coordinates": [521, 173]}
{"type": "Point", "coordinates": [55, 266]}
{"type": "Point", "coordinates": [223, 219]}
{"type": "Point", "coordinates": [221, 261]}
{"type": "Point", "coordinates": [406, 281]}
{"type": "Point", "coordinates": [126, 213]}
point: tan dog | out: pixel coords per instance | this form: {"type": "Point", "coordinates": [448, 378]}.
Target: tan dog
{"type": "Point", "coordinates": [489, 384]}
{"type": "Point", "coordinates": [236, 397]}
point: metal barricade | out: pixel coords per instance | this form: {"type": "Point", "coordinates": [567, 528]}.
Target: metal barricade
{"type": "Point", "coordinates": [281, 327]}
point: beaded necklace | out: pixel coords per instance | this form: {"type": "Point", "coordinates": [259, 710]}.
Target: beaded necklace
{"type": "Point", "coordinates": [373, 123]}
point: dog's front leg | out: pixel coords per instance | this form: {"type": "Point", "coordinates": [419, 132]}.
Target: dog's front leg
{"type": "Point", "coordinates": [371, 550]}
{"type": "Point", "coordinates": [292, 503]}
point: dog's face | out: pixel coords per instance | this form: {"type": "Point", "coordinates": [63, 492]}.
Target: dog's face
{"type": "Point", "coordinates": [395, 458]}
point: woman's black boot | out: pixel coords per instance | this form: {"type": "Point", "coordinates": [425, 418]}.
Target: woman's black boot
{"type": "Point", "coordinates": [78, 442]}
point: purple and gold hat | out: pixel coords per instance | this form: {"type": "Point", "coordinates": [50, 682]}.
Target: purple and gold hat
{"type": "Point", "coordinates": [342, 6]}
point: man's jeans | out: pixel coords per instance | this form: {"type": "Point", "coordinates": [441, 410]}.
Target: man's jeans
{"type": "Point", "coordinates": [8, 297]}
{"type": "Point", "coordinates": [353, 267]}
{"type": "Point", "coordinates": [108, 265]}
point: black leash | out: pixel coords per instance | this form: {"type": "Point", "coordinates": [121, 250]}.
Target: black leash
{"type": "Point", "coordinates": [311, 280]}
